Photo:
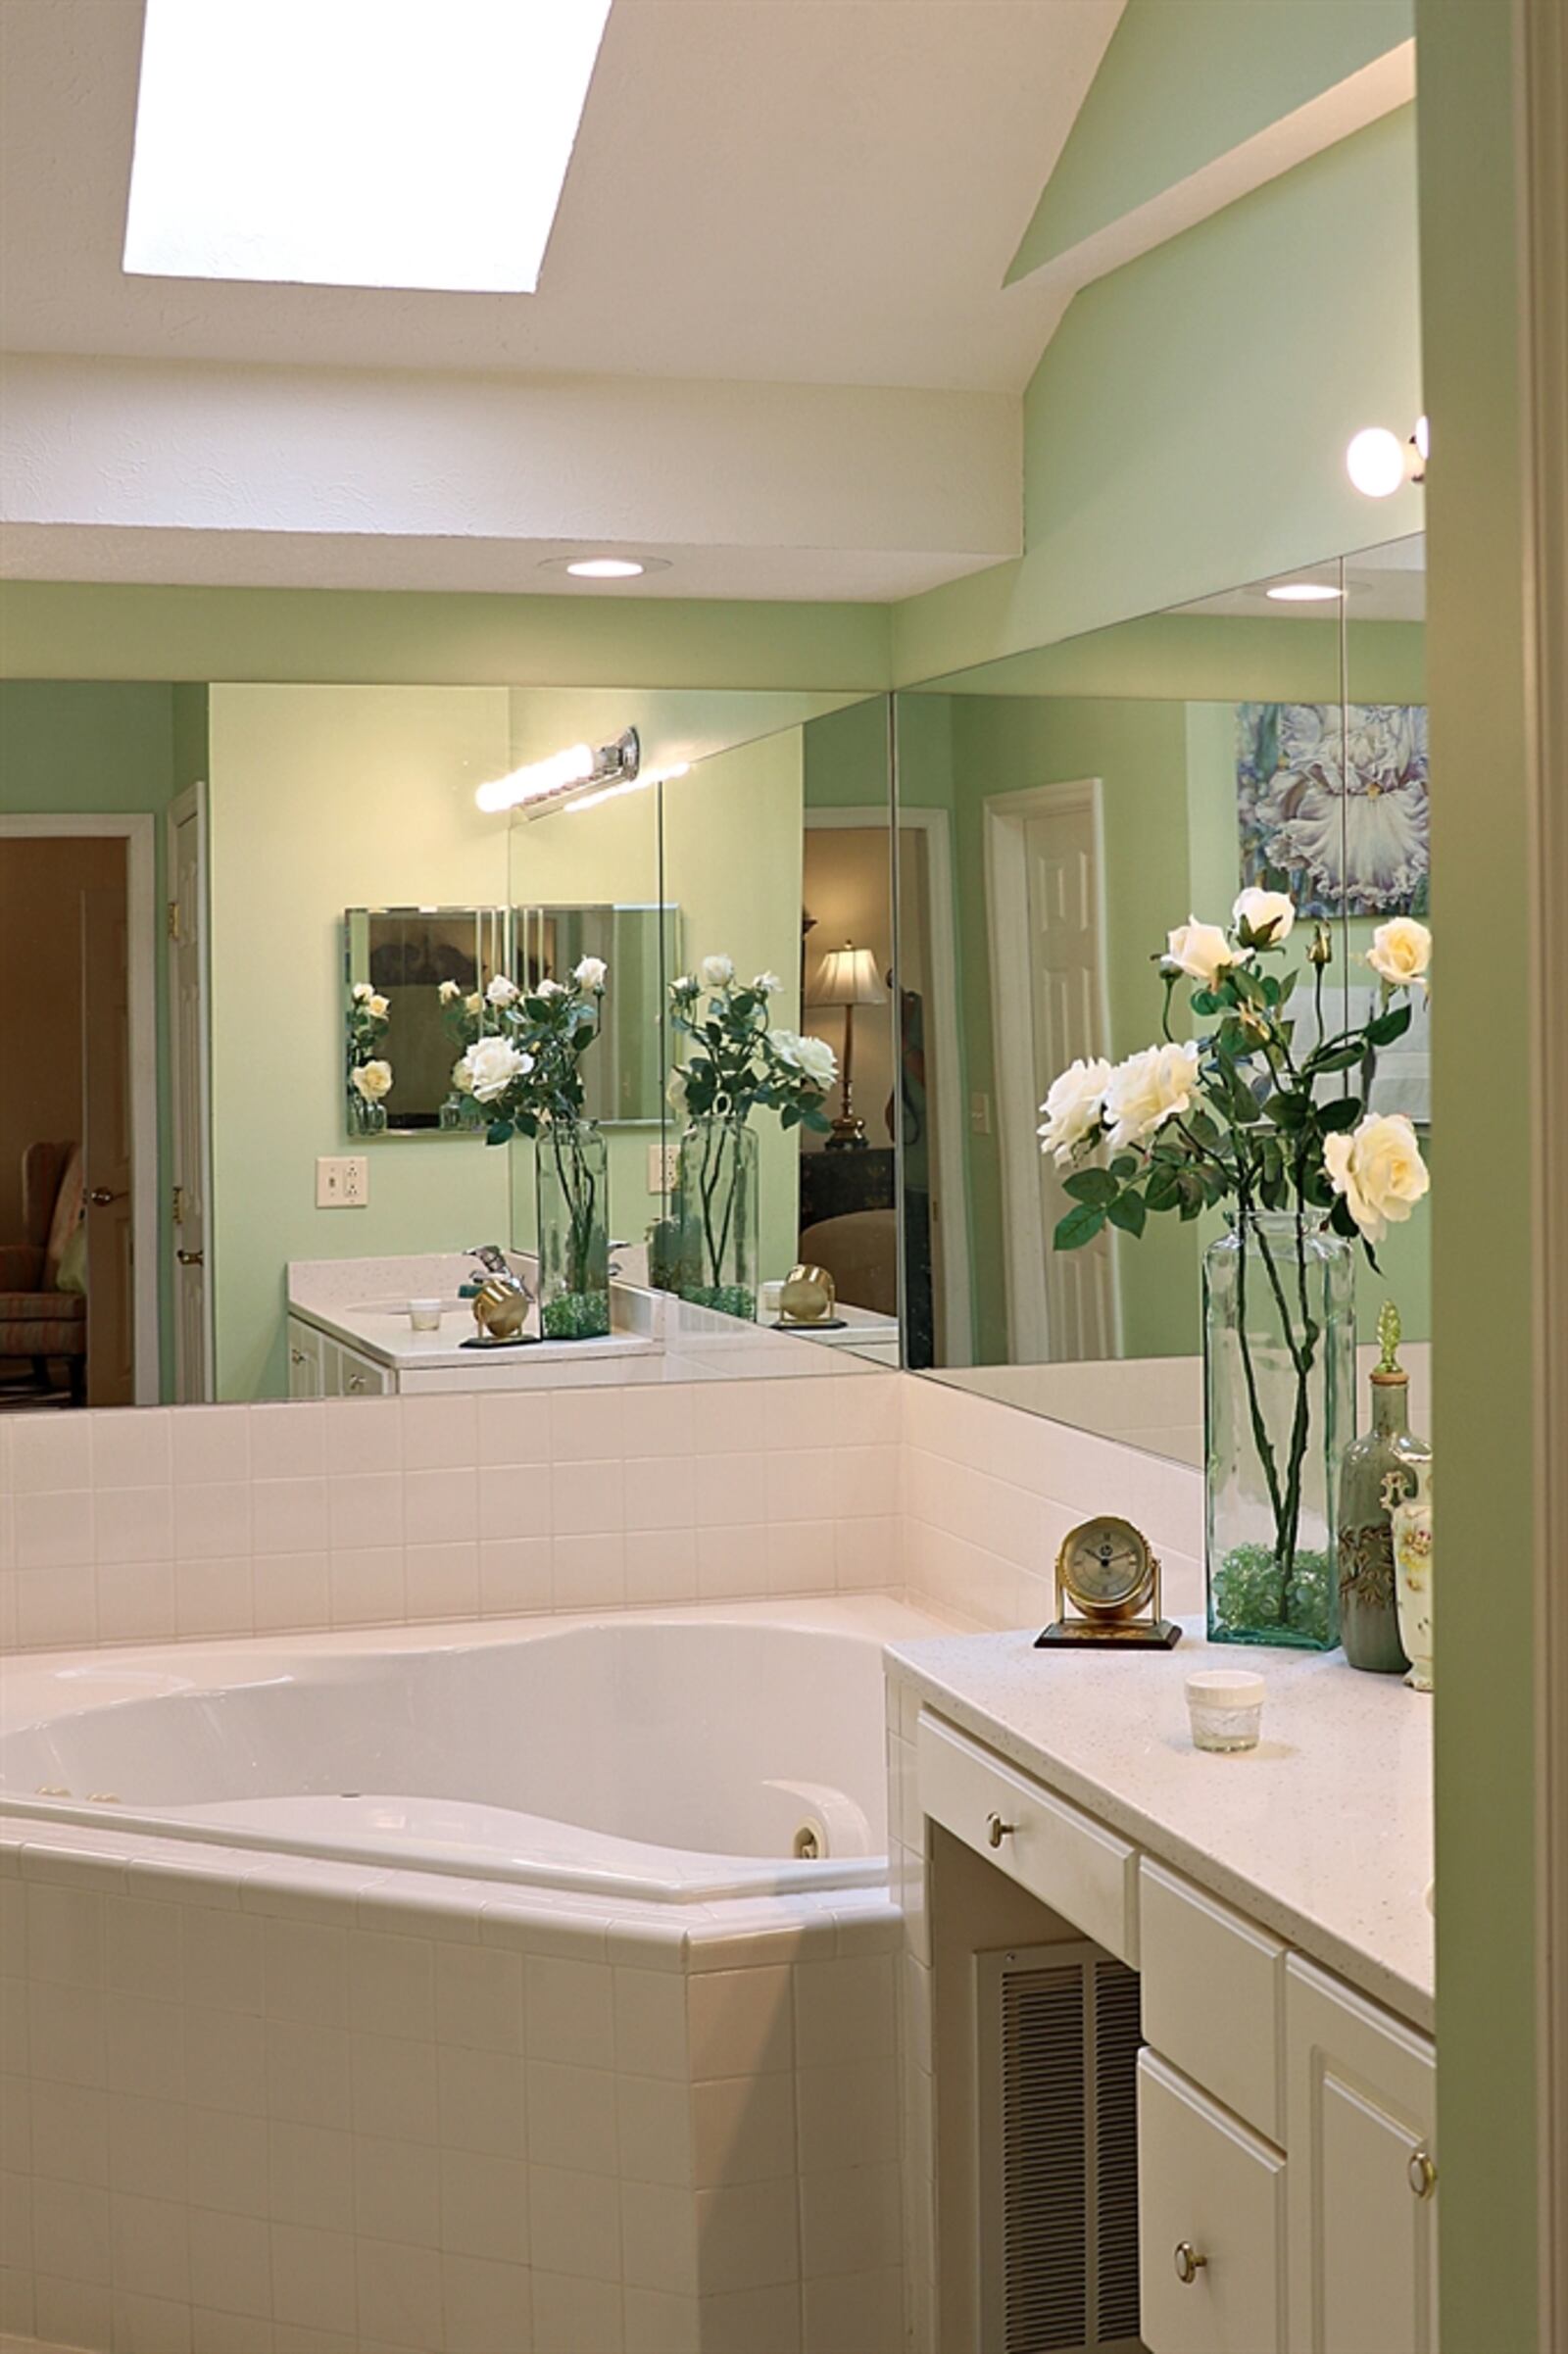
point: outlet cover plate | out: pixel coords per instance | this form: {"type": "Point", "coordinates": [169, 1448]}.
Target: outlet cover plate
{"type": "Point", "coordinates": [343, 1183]}
{"type": "Point", "coordinates": [661, 1160]}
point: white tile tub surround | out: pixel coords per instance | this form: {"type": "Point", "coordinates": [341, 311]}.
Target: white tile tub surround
{"type": "Point", "coordinates": [256, 2104]}
{"type": "Point", "coordinates": [203, 1521]}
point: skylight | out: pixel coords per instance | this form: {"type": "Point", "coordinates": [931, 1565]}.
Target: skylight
{"type": "Point", "coordinates": [412, 143]}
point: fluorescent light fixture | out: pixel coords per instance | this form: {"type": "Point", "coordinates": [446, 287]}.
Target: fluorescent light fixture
{"type": "Point", "coordinates": [564, 774]}
{"type": "Point", "coordinates": [409, 143]}
{"type": "Point", "coordinates": [604, 568]}
{"type": "Point", "coordinates": [1303, 592]}
{"type": "Point", "coordinates": [630, 784]}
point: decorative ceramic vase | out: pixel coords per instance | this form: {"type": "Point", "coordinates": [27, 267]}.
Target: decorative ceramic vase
{"type": "Point", "coordinates": [572, 1186]}
{"type": "Point", "coordinates": [1279, 1369]}
{"type": "Point", "coordinates": [1411, 1517]}
{"type": "Point", "coordinates": [1386, 1460]}
{"type": "Point", "coordinates": [716, 1182]}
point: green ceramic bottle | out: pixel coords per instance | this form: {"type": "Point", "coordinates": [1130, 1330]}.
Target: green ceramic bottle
{"type": "Point", "coordinates": [1369, 1623]}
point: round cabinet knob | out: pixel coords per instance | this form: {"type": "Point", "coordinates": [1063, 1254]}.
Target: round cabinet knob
{"type": "Point", "coordinates": [1189, 2262]}
{"type": "Point", "coordinates": [1422, 2173]}
{"type": "Point", "coordinates": [996, 1830]}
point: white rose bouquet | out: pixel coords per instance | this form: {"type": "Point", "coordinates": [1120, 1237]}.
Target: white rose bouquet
{"type": "Point", "coordinates": [369, 1075]}
{"type": "Point", "coordinates": [1251, 1115]}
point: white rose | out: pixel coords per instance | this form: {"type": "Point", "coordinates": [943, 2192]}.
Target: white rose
{"type": "Point", "coordinates": [686, 987]}
{"type": "Point", "coordinates": [1380, 1171]}
{"type": "Point", "coordinates": [1200, 951]}
{"type": "Point", "coordinates": [675, 1094]}
{"type": "Point", "coordinates": [768, 984]}
{"type": "Point", "coordinates": [1261, 910]}
{"type": "Point", "coordinates": [1400, 953]}
{"type": "Point", "coordinates": [474, 1004]}
{"type": "Point", "coordinates": [490, 1066]}
{"type": "Point", "coordinates": [812, 1057]}
{"type": "Point", "coordinates": [373, 1080]}
{"type": "Point", "coordinates": [378, 1006]}
{"type": "Point", "coordinates": [362, 989]}
{"type": "Point", "coordinates": [718, 971]}
{"type": "Point", "coordinates": [446, 991]}
{"type": "Point", "coordinates": [591, 973]}
{"type": "Point", "coordinates": [503, 992]}
{"type": "Point", "coordinates": [550, 988]}
{"type": "Point", "coordinates": [1072, 1108]}
{"type": "Point", "coordinates": [1147, 1090]}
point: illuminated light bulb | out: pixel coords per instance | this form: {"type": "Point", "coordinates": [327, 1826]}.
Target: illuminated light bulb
{"type": "Point", "coordinates": [1375, 462]}
{"type": "Point", "coordinates": [572, 766]}
{"type": "Point", "coordinates": [605, 568]}
{"type": "Point", "coordinates": [1423, 438]}
{"type": "Point", "coordinates": [1303, 592]}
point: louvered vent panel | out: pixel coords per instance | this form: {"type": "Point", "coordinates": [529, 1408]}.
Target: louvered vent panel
{"type": "Point", "coordinates": [1058, 2048]}
{"type": "Point", "coordinates": [1116, 2040]}
{"type": "Point", "coordinates": [1045, 2184]}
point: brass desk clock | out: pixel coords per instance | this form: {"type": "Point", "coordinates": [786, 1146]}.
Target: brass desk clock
{"type": "Point", "coordinates": [1107, 1590]}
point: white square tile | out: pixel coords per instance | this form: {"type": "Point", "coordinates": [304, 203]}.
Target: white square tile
{"type": "Point", "coordinates": [487, 2307]}
{"type": "Point", "coordinates": [56, 1608]}
{"type": "Point", "coordinates": [585, 1426]}
{"type": "Point", "coordinates": [731, 1562]}
{"type": "Point", "coordinates": [231, 2262]}
{"type": "Point", "coordinates": [661, 1492]}
{"type": "Point", "coordinates": [53, 1528]}
{"type": "Point", "coordinates": [850, 2220]}
{"type": "Point", "coordinates": [307, 1972]}
{"type": "Point", "coordinates": [575, 2218]}
{"type": "Point", "coordinates": [142, 1946]}
{"type": "Point", "coordinates": [366, 1506]}
{"type": "Point", "coordinates": [570, 2015]}
{"type": "Point", "coordinates": [213, 1597]}
{"type": "Point", "coordinates": [440, 1433]}
{"type": "Point", "coordinates": [482, 2101]}
{"type": "Point", "coordinates": [70, 2141]}
{"type": "Point", "coordinates": [743, 2130]}
{"type": "Point", "coordinates": [400, 2297]}
{"type": "Point", "coordinates": [143, 2324]}
{"type": "Point", "coordinates": [225, 2061]}
{"type": "Point", "coordinates": [731, 1490]}
{"type": "Point", "coordinates": [589, 1573]}
{"type": "Point", "coordinates": [864, 1480]}
{"type": "Point", "coordinates": [746, 2236]}
{"type": "Point", "coordinates": [313, 2279]}
{"type": "Point", "coordinates": [515, 1575]}
{"type": "Point", "coordinates": [311, 2176]}
{"type": "Point", "coordinates": [571, 2117]}
{"type": "Point", "coordinates": [659, 2235]}
{"type": "Point", "coordinates": [442, 1580]}
{"type": "Point", "coordinates": [576, 2316]}
{"type": "Point", "coordinates": [844, 2010]}
{"type": "Point", "coordinates": [292, 1593]}
{"type": "Point", "coordinates": [213, 1520]}
{"type": "Point", "coordinates": [395, 2090]}
{"type": "Point", "coordinates": [363, 1434]}
{"type": "Point", "coordinates": [212, 1443]}
{"type": "Point", "coordinates": [289, 1516]}
{"type": "Point", "coordinates": [484, 2206]}
{"type": "Point", "coordinates": [869, 1553]}
{"type": "Point", "coordinates": [368, 1586]}
{"type": "Point", "coordinates": [50, 1452]}
{"type": "Point", "coordinates": [657, 1420]}
{"type": "Point", "coordinates": [745, 2319]}
{"type": "Point", "coordinates": [223, 1959]}
{"type": "Point", "coordinates": [440, 1508]}
{"type": "Point", "coordinates": [741, 2021]}
{"type": "Point", "coordinates": [150, 2246]}
{"type": "Point", "coordinates": [228, 2161]}
{"type": "Point", "coordinates": [858, 2314]}
{"type": "Point", "coordinates": [661, 1566]}
{"type": "Point", "coordinates": [65, 1936]}
{"type": "Point", "coordinates": [137, 1601]}
{"type": "Point", "coordinates": [134, 1524]}
{"type": "Point", "coordinates": [800, 1482]}
{"type": "Point", "coordinates": [397, 2191]}
{"type": "Point", "coordinates": [513, 1428]}
{"type": "Point", "coordinates": [478, 1997]}
{"type": "Point", "coordinates": [72, 2313]}
{"type": "Point", "coordinates": [848, 2115]}
{"type": "Point", "coordinates": [289, 1441]}
{"type": "Point", "coordinates": [587, 1500]}
{"type": "Point", "coordinates": [515, 1500]}
{"type": "Point", "coordinates": [391, 1985]}
{"type": "Point", "coordinates": [147, 2146]}
{"type": "Point", "coordinates": [71, 2231]}
{"type": "Point", "coordinates": [308, 2073]}
{"type": "Point", "coordinates": [654, 2128]}
{"type": "Point", "coordinates": [801, 1557]}
{"type": "Point", "coordinates": [132, 1451]}
{"type": "Point", "coordinates": [651, 2035]}
{"type": "Point", "coordinates": [66, 2027]}
{"type": "Point", "coordinates": [145, 2050]}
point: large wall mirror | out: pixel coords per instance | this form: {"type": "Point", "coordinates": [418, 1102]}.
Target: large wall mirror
{"type": "Point", "coordinates": [1068, 808]}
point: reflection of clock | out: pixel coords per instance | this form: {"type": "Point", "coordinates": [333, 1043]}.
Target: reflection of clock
{"type": "Point", "coordinates": [1106, 1574]}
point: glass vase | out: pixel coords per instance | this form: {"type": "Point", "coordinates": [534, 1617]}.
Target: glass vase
{"type": "Point", "coordinates": [572, 1193]}
{"type": "Point", "coordinates": [716, 1185]}
{"type": "Point", "coordinates": [365, 1118]}
{"type": "Point", "coordinates": [1279, 1405]}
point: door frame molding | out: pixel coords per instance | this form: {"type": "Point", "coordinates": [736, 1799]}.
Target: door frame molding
{"type": "Point", "coordinates": [1005, 815]}
{"type": "Point", "coordinates": [135, 828]}
{"type": "Point", "coordinates": [195, 800]}
{"type": "Point", "coordinates": [942, 1036]}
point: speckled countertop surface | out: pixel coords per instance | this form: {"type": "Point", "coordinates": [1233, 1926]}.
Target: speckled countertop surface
{"type": "Point", "coordinates": [1323, 1833]}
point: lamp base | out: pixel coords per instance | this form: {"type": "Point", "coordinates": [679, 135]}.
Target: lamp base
{"type": "Point", "coordinates": [849, 1135]}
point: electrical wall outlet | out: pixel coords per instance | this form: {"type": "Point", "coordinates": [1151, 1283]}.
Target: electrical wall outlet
{"type": "Point", "coordinates": [662, 1162]}
{"type": "Point", "coordinates": [343, 1184]}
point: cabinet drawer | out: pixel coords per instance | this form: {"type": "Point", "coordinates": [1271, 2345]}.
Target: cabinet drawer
{"type": "Point", "coordinates": [1061, 1856]}
{"type": "Point", "coordinates": [1213, 1996]}
{"type": "Point", "coordinates": [1209, 2186]}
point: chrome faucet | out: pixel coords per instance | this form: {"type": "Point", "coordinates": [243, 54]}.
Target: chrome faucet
{"type": "Point", "coordinates": [494, 1261]}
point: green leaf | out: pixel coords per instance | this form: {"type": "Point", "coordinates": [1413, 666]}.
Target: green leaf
{"type": "Point", "coordinates": [1340, 1220]}
{"type": "Point", "coordinates": [1130, 1214]}
{"type": "Point", "coordinates": [1097, 1187]}
{"type": "Point", "coordinates": [499, 1132]}
{"type": "Point", "coordinates": [1124, 1165]}
{"type": "Point", "coordinates": [1079, 1226]}
{"type": "Point", "coordinates": [1343, 1113]}
{"type": "Point", "coordinates": [1343, 1059]}
{"type": "Point", "coordinates": [1161, 1193]}
{"type": "Point", "coordinates": [1205, 1001]}
{"type": "Point", "coordinates": [1388, 1026]}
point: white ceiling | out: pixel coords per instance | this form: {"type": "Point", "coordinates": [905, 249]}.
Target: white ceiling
{"type": "Point", "coordinates": [1383, 583]}
{"type": "Point", "coordinates": [785, 191]}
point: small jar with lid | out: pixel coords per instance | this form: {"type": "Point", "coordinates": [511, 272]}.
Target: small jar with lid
{"type": "Point", "coordinates": [1226, 1707]}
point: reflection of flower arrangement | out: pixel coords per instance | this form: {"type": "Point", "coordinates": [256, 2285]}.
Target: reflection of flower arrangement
{"type": "Point", "coordinates": [1240, 1117]}
{"type": "Point", "coordinates": [1337, 801]}
{"type": "Point", "coordinates": [463, 1014]}
{"type": "Point", "coordinates": [369, 1075]}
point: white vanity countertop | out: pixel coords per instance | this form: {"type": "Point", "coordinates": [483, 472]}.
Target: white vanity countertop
{"type": "Point", "coordinates": [1322, 1834]}
{"type": "Point", "coordinates": [365, 1302]}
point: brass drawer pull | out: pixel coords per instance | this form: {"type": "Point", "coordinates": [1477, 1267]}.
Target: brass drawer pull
{"type": "Point", "coordinates": [1422, 2173]}
{"type": "Point", "coordinates": [996, 1830]}
{"type": "Point", "coordinates": [1189, 2262]}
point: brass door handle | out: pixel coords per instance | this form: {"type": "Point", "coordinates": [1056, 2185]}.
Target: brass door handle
{"type": "Point", "coordinates": [101, 1197]}
{"type": "Point", "coordinates": [191, 1258]}
{"type": "Point", "coordinates": [355, 1383]}
{"type": "Point", "coordinates": [1422, 2173]}
{"type": "Point", "coordinates": [996, 1830]}
{"type": "Point", "coordinates": [1189, 2262]}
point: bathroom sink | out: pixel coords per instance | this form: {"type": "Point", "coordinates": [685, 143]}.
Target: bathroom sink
{"type": "Point", "coordinates": [400, 1308]}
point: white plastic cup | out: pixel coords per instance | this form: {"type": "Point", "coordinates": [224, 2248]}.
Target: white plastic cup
{"type": "Point", "coordinates": [425, 1315]}
{"type": "Point", "coordinates": [1226, 1707]}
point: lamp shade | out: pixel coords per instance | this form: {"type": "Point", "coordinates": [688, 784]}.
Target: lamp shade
{"type": "Point", "coordinates": [847, 976]}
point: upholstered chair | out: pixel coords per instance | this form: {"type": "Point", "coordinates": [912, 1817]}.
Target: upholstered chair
{"type": "Point", "coordinates": [37, 1319]}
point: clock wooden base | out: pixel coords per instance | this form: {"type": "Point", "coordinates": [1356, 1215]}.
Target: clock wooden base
{"type": "Point", "coordinates": [1126, 1635]}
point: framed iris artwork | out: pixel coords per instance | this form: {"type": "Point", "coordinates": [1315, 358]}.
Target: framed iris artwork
{"type": "Point", "coordinates": [1335, 798]}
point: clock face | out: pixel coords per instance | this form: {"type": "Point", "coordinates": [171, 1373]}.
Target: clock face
{"type": "Point", "coordinates": [1107, 1566]}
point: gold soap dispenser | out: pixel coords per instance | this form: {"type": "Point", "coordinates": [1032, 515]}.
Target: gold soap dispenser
{"type": "Point", "coordinates": [1369, 1619]}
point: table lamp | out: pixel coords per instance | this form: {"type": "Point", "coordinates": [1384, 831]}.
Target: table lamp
{"type": "Point", "coordinates": [847, 976]}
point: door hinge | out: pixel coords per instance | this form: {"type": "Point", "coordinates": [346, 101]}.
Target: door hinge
{"type": "Point", "coordinates": [173, 919]}
{"type": "Point", "coordinates": [178, 1206]}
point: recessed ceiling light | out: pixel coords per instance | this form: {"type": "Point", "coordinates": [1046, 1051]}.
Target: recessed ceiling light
{"type": "Point", "coordinates": [357, 142]}
{"type": "Point", "coordinates": [605, 568]}
{"type": "Point", "coordinates": [1303, 592]}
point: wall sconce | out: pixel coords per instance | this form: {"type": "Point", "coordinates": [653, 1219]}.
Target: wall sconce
{"type": "Point", "coordinates": [1379, 464]}
{"type": "Point", "coordinates": [580, 768]}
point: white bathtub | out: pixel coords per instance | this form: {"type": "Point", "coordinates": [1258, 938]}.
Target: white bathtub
{"type": "Point", "coordinates": [680, 1758]}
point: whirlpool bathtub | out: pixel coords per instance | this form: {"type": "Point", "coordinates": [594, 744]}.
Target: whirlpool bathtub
{"type": "Point", "coordinates": [680, 1758]}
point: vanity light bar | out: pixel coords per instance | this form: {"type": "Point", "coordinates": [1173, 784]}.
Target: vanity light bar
{"type": "Point", "coordinates": [631, 784]}
{"type": "Point", "coordinates": [574, 771]}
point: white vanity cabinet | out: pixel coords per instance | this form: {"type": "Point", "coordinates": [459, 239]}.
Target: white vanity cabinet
{"type": "Point", "coordinates": [1287, 2177]}
{"type": "Point", "coordinates": [321, 1368]}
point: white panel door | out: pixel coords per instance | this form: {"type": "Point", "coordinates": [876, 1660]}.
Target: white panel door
{"type": "Point", "coordinates": [1065, 953]}
{"type": "Point", "coordinates": [110, 1168]}
{"type": "Point", "coordinates": [188, 1054]}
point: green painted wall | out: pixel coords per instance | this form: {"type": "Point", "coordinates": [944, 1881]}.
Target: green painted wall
{"type": "Point", "coordinates": [91, 745]}
{"type": "Point", "coordinates": [1186, 428]}
{"type": "Point", "coordinates": [1483, 1281]}
{"type": "Point", "coordinates": [324, 798]}
{"type": "Point", "coordinates": [1240, 65]}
